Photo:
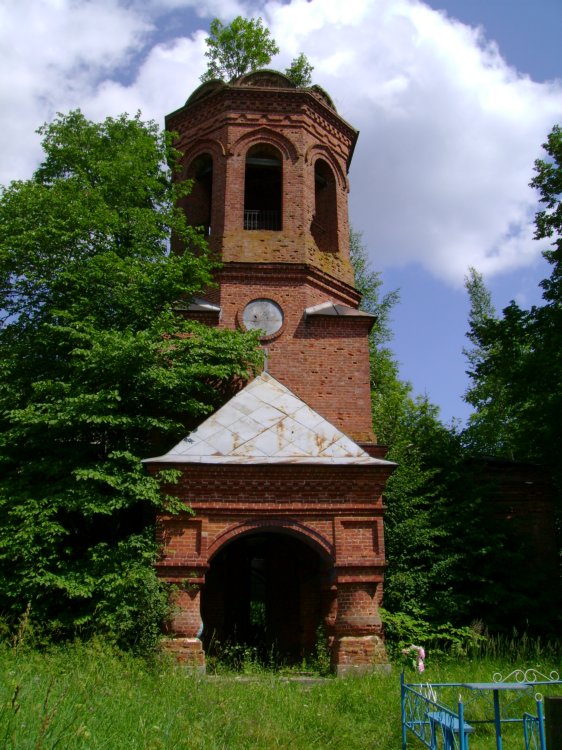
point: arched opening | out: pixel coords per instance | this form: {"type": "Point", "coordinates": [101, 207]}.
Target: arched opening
{"type": "Point", "coordinates": [266, 590]}
{"type": "Point", "coordinates": [263, 188]}
{"type": "Point", "coordinates": [325, 222]}
{"type": "Point", "coordinates": [198, 206]}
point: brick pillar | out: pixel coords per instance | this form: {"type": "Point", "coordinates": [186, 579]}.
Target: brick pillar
{"type": "Point", "coordinates": [186, 626]}
{"type": "Point", "coordinates": [358, 644]}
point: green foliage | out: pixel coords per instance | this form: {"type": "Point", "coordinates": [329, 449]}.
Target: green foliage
{"type": "Point", "coordinates": [413, 534]}
{"type": "Point", "coordinates": [450, 561]}
{"type": "Point", "coordinates": [391, 397]}
{"type": "Point", "coordinates": [481, 310]}
{"type": "Point", "coordinates": [490, 427]}
{"type": "Point", "coordinates": [517, 378]}
{"type": "Point", "coordinates": [240, 47]}
{"type": "Point", "coordinates": [516, 374]}
{"type": "Point", "coordinates": [300, 71]}
{"type": "Point", "coordinates": [439, 641]}
{"type": "Point", "coordinates": [97, 371]}
{"type": "Point", "coordinates": [548, 181]}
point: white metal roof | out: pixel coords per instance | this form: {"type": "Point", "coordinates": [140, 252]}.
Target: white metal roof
{"type": "Point", "coordinates": [266, 423]}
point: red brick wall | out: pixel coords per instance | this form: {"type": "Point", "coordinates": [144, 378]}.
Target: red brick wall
{"type": "Point", "coordinates": [323, 360]}
{"type": "Point", "coordinates": [338, 509]}
{"type": "Point", "coordinates": [232, 120]}
{"type": "Point", "coordinates": [335, 510]}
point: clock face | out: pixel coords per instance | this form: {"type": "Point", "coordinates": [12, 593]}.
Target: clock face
{"type": "Point", "coordinates": [264, 315]}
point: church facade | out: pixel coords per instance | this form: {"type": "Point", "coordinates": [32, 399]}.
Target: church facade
{"type": "Point", "coordinates": [285, 481]}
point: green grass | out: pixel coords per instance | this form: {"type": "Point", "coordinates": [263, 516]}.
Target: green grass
{"type": "Point", "coordinates": [90, 696]}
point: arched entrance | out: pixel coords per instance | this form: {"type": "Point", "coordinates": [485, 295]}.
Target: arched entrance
{"type": "Point", "coordinates": [263, 188]}
{"type": "Point", "coordinates": [268, 590]}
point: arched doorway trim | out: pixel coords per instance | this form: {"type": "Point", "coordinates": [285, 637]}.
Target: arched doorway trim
{"type": "Point", "coordinates": [319, 151]}
{"type": "Point", "coordinates": [205, 145]}
{"type": "Point", "coordinates": [282, 525]}
{"type": "Point", "coordinates": [266, 135]}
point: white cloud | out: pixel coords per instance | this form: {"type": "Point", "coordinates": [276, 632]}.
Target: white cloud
{"type": "Point", "coordinates": [55, 52]}
{"type": "Point", "coordinates": [449, 131]}
{"type": "Point", "coordinates": [168, 75]}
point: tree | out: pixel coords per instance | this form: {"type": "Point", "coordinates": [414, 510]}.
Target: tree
{"type": "Point", "coordinates": [443, 544]}
{"type": "Point", "coordinates": [300, 71]}
{"type": "Point", "coordinates": [389, 394]}
{"type": "Point", "coordinates": [518, 374]}
{"type": "Point", "coordinates": [97, 371]}
{"type": "Point", "coordinates": [241, 47]}
{"type": "Point", "coordinates": [413, 493]}
{"type": "Point", "coordinates": [544, 324]}
{"type": "Point", "coordinates": [490, 429]}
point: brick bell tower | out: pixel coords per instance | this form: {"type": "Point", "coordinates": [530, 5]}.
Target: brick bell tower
{"type": "Point", "coordinates": [285, 479]}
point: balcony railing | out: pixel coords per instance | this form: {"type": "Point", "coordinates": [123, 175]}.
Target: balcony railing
{"type": "Point", "coordinates": [254, 219]}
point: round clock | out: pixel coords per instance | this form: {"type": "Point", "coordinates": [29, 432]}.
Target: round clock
{"type": "Point", "coordinates": [264, 315]}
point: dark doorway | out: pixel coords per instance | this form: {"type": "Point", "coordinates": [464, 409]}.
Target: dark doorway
{"type": "Point", "coordinates": [198, 205]}
{"type": "Point", "coordinates": [263, 188]}
{"type": "Point", "coordinates": [266, 591]}
{"type": "Point", "coordinates": [325, 223]}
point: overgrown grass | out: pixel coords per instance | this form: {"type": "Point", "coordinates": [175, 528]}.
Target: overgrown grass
{"type": "Point", "coordinates": [92, 696]}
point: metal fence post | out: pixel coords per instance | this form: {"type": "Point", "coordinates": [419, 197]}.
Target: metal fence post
{"type": "Point", "coordinates": [403, 709]}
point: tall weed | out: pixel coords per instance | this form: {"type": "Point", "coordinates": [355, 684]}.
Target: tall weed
{"type": "Point", "coordinates": [92, 696]}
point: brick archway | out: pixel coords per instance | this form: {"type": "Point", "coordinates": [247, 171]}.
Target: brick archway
{"type": "Point", "coordinates": [267, 589]}
{"type": "Point", "coordinates": [288, 526]}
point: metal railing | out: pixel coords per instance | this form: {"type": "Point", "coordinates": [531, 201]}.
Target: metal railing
{"type": "Point", "coordinates": [533, 729]}
{"type": "Point", "coordinates": [257, 219]}
{"type": "Point", "coordinates": [439, 726]}
{"type": "Point", "coordinates": [434, 724]}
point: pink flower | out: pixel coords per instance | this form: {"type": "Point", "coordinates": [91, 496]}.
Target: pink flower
{"type": "Point", "coordinates": [417, 655]}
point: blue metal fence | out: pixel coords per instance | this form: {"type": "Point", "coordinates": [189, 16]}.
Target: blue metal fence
{"type": "Point", "coordinates": [437, 726]}
{"type": "Point", "coordinates": [533, 728]}
{"type": "Point", "coordinates": [440, 727]}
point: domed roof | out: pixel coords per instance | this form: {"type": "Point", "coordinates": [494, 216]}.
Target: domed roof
{"type": "Point", "coordinates": [260, 79]}
{"type": "Point", "coordinates": [265, 78]}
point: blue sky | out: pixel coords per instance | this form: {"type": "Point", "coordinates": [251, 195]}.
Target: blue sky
{"type": "Point", "coordinates": [452, 100]}
{"type": "Point", "coordinates": [528, 37]}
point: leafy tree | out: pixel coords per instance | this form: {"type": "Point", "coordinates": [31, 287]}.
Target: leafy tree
{"type": "Point", "coordinates": [489, 428]}
{"type": "Point", "coordinates": [300, 71]}
{"type": "Point", "coordinates": [403, 424]}
{"type": "Point", "coordinates": [97, 370]}
{"type": "Point", "coordinates": [481, 310]}
{"type": "Point", "coordinates": [241, 47]}
{"type": "Point", "coordinates": [449, 561]}
{"type": "Point", "coordinates": [516, 363]}
{"type": "Point", "coordinates": [518, 374]}
{"type": "Point", "coordinates": [390, 396]}
{"type": "Point", "coordinates": [544, 324]}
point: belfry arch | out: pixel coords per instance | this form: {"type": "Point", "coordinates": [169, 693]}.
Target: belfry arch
{"type": "Point", "coordinates": [263, 188]}
{"type": "Point", "coordinates": [325, 222]}
{"type": "Point", "coordinates": [199, 204]}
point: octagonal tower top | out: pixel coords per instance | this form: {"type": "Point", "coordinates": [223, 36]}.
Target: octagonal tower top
{"type": "Point", "coordinates": [269, 164]}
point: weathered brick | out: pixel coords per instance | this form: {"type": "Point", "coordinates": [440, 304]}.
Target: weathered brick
{"type": "Point", "coordinates": [336, 511]}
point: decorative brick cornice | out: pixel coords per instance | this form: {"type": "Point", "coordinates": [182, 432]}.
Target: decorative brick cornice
{"type": "Point", "coordinates": [302, 273]}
